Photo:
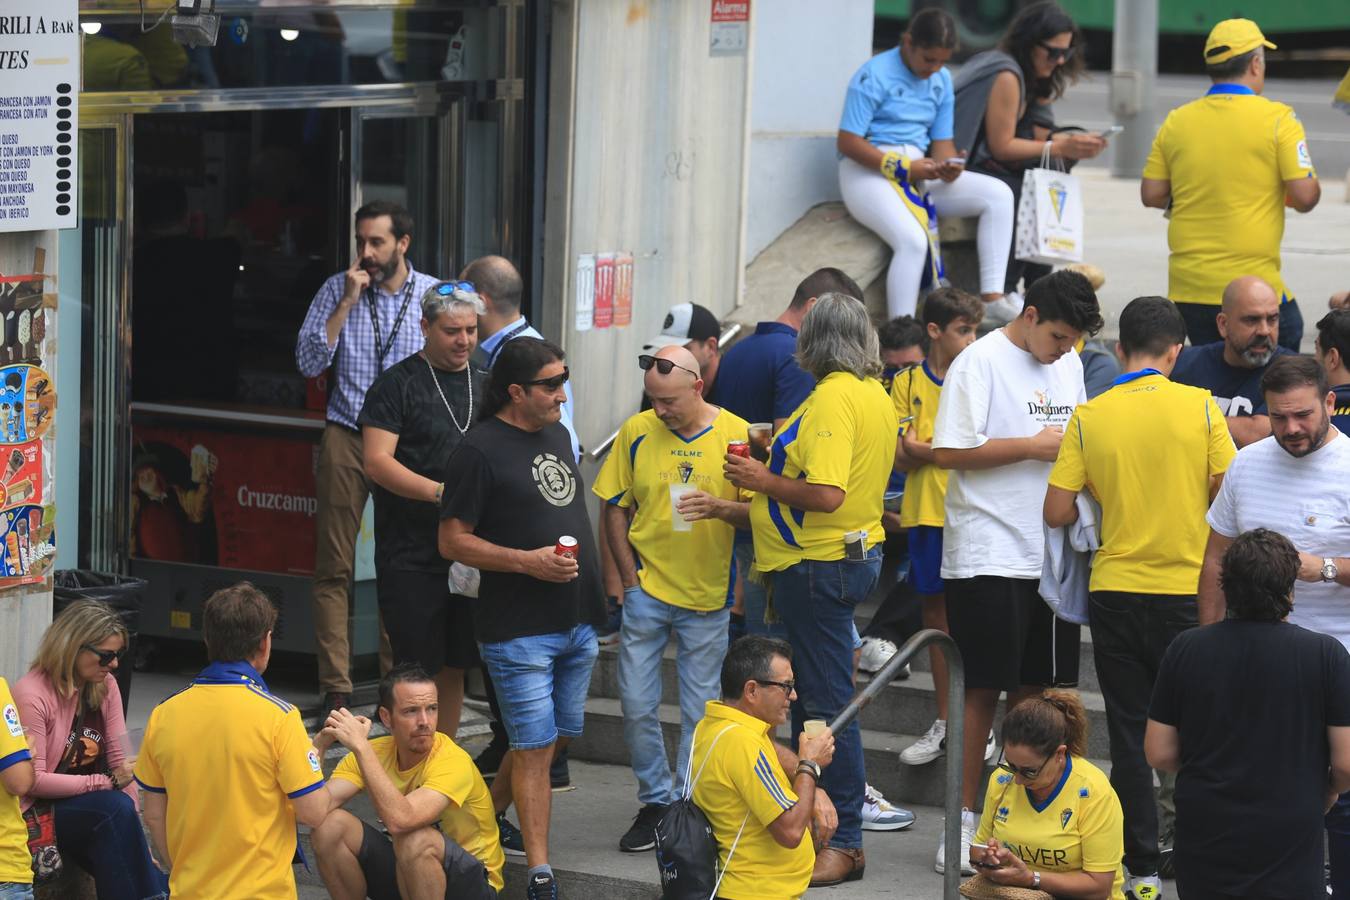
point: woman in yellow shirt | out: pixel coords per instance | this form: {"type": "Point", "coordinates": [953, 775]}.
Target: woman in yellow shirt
{"type": "Point", "coordinates": [1051, 819]}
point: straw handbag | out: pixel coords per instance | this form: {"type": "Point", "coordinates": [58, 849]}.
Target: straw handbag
{"type": "Point", "coordinates": [981, 888]}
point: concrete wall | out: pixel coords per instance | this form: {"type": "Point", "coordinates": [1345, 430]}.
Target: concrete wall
{"type": "Point", "coordinates": [805, 53]}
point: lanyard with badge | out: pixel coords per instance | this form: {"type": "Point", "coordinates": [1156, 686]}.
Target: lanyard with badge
{"type": "Point", "coordinates": [492, 357]}
{"type": "Point", "coordinates": [382, 351]}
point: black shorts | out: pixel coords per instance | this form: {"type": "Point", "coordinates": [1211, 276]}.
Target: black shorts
{"type": "Point", "coordinates": [426, 623]}
{"type": "Point", "coordinates": [1008, 635]}
{"type": "Point", "coordinates": [465, 876]}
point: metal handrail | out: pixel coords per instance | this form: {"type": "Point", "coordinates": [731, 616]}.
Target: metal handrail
{"type": "Point", "coordinates": [956, 701]}
{"type": "Point", "coordinates": [728, 335]}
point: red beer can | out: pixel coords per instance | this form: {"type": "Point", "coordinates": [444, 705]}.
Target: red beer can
{"type": "Point", "coordinates": [566, 546]}
{"type": "Point", "coordinates": [739, 448]}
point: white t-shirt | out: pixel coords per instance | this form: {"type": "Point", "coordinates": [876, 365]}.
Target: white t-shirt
{"type": "Point", "coordinates": [994, 389]}
{"type": "Point", "coordinates": [1305, 499]}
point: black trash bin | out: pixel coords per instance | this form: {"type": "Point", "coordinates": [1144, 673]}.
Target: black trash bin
{"type": "Point", "coordinates": [122, 592]}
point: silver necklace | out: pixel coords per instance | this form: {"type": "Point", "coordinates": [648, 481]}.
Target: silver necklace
{"type": "Point", "coordinates": [468, 378]}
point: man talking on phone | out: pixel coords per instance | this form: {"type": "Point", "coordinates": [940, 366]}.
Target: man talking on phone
{"type": "Point", "coordinates": [361, 322]}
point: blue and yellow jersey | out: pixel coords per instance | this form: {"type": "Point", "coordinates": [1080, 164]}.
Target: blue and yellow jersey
{"type": "Point", "coordinates": [15, 860]}
{"type": "Point", "coordinates": [740, 781]}
{"type": "Point", "coordinates": [842, 435]}
{"type": "Point", "coordinates": [229, 755]}
{"type": "Point", "coordinates": [915, 392]}
{"type": "Point", "coordinates": [1340, 416]}
{"type": "Point", "coordinates": [1078, 828]}
{"type": "Point", "coordinates": [648, 465]}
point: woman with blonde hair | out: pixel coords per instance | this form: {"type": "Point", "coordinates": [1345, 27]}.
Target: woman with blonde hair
{"type": "Point", "coordinates": [71, 708]}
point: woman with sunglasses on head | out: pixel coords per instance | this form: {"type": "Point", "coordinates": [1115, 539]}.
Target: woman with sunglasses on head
{"type": "Point", "coordinates": [1051, 820]}
{"type": "Point", "coordinates": [900, 168]}
{"type": "Point", "coordinates": [71, 708]}
{"type": "Point", "coordinates": [1003, 114]}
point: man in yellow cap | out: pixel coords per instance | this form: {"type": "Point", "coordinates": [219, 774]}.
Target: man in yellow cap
{"type": "Point", "coordinates": [1225, 183]}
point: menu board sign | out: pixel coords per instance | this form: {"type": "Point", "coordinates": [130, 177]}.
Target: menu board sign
{"type": "Point", "coordinates": [39, 99]}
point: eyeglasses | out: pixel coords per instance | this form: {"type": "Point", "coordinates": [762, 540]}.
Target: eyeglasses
{"type": "Point", "coordinates": [664, 366]}
{"type": "Point", "coordinates": [1057, 54]}
{"type": "Point", "coordinates": [105, 657]}
{"type": "Point", "coordinates": [447, 288]}
{"type": "Point", "coordinates": [1026, 772]}
{"type": "Point", "coordinates": [789, 687]}
{"type": "Point", "coordinates": [551, 384]}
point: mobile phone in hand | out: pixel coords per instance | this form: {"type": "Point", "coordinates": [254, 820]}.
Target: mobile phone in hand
{"type": "Point", "coordinates": [1111, 132]}
{"type": "Point", "coordinates": [955, 161]}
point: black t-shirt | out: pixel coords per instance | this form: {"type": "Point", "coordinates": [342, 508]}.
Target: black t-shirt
{"type": "Point", "coordinates": [1251, 702]}
{"type": "Point", "coordinates": [404, 400]}
{"type": "Point", "coordinates": [1238, 391]}
{"type": "Point", "coordinates": [521, 489]}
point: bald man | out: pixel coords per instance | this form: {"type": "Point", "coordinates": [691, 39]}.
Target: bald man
{"type": "Point", "coordinates": [1231, 368]}
{"type": "Point", "coordinates": [670, 517]}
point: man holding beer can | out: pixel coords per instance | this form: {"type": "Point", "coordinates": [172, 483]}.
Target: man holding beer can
{"type": "Point", "coordinates": [513, 500]}
{"type": "Point", "coordinates": [671, 518]}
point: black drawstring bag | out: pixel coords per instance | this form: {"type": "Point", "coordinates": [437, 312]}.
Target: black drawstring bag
{"type": "Point", "coordinates": [686, 851]}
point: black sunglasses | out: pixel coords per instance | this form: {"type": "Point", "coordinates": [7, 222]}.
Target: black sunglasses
{"type": "Point", "coordinates": [551, 384]}
{"type": "Point", "coordinates": [664, 366]}
{"type": "Point", "coordinates": [1026, 772]}
{"type": "Point", "coordinates": [789, 687]}
{"type": "Point", "coordinates": [105, 657]}
{"type": "Point", "coordinates": [1059, 53]}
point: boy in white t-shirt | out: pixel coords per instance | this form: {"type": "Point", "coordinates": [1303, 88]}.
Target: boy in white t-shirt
{"type": "Point", "coordinates": [1004, 405]}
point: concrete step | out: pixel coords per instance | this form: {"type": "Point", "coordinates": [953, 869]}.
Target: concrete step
{"type": "Point", "coordinates": [904, 707]}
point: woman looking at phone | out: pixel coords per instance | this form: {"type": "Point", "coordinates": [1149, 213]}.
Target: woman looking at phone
{"type": "Point", "coordinates": [1003, 115]}
{"type": "Point", "coordinates": [901, 102]}
{"type": "Point", "coordinates": [1051, 820]}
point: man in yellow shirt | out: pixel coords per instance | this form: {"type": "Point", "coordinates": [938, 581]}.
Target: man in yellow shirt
{"type": "Point", "coordinates": [226, 768]}
{"type": "Point", "coordinates": [16, 777]}
{"type": "Point", "coordinates": [1145, 430]}
{"type": "Point", "coordinates": [741, 780]}
{"type": "Point", "coordinates": [1224, 167]}
{"type": "Point", "coordinates": [670, 517]}
{"type": "Point", "coordinates": [816, 523]}
{"type": "Point", "coordinates": [443, 837]}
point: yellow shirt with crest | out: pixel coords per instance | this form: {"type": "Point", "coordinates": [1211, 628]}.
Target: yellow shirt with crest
{"type": "Point", "coordinates": [915, 392]}
{"type": "Point", "coordinates": [15, 860]}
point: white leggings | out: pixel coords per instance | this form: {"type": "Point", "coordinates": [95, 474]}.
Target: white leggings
{"type": "Point", "coordinates": [872, 200]}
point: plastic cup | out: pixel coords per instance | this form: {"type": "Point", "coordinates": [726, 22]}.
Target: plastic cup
{"type": "Point", "coordinates": [677, 521]}
{"type": "Point", "coordinates": [814, 727]}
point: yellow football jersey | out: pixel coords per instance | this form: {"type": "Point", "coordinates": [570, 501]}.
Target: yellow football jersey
{"type": "Point", "coordinates": [915, 392]}
{"type": "Point", "coordinates": [15, 860]}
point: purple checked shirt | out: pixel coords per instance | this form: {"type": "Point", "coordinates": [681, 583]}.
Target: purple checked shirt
{"type": "Point", "coordinates": [355, 361]}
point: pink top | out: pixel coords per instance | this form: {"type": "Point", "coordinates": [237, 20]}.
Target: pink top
{"type": "Point", "coordinates": [47, 719]}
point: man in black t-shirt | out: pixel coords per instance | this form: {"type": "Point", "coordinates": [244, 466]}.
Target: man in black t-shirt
{"type": "Point", "coordinates": [414, 416]}
{"type": "Point", "coordinates": [511, 492]}
{"type": "Point", "coordinates": [1252, 713]}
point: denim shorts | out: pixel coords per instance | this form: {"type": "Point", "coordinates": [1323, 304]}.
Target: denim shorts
{"type": "Point", "coordinates": [11, 890]}
{"type": "Point", "coordinates": [541, 682]}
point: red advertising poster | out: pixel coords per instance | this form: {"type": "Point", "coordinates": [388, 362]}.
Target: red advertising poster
{"type": "Point", "coordinates": [240, 501]}
{"type": "Point", "coordinates": [21, 478]}
{"type": "Point", "coordinates": [604, 290]}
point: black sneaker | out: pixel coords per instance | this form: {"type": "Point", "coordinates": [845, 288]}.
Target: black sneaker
{"type": "Point", "coordinates": [513, 842]}
{"type": "Point", "coordinates": [542, 886]}
{"type": "Point", "coordinates": [559, 776]}
{"type": "Point", "coordinates": [642, 835]}
{"type": "Point", "coordinates": [490, 760]}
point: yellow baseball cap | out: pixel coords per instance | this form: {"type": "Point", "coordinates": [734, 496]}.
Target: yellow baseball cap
{"type": "Point", "coordinates": [1233, 37]}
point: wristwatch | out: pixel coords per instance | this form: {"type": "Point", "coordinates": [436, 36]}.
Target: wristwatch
{"type": "Point", "coordinates": [1329, 570]}
{"type": "Point", "coordinates": [1035, 881]}
{"type": "Point", "coordinates": [810, 767]}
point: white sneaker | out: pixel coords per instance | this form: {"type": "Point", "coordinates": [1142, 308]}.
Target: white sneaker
{"type": "Point", "coordinates": [879, 815]}
{"type": "Point", "coordinates": [927, 748]}
{"type": "Point", "coordinates": [1003, 310]}
{"type": "Point", "coordinates": [990, 747]}
{"type": "Point", "coordinates": [1146, 887]}
{"type": "Point", "coordinates": [875, 653]}
{"type": "Point", "coordinates": [968, 823]}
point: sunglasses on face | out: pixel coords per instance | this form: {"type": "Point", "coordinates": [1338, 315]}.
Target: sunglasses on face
{"type": "Point", "coordinates": [551, 384]}
{"type": "Point", "coordinates": [1026, 772]}
{"type": "Point", "coordinates": [448, 288]}
{"type": "Point", "coordinates": [105, 657]}
{"type": "Point", "coordinates": [1058, 54]}
{"type": "Point", "coordinates": [664, 366]}
{"type": "Point", "coordinates": [789, 687]}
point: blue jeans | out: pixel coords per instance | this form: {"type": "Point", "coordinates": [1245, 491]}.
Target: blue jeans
{"type": "Point", "coordinates": [11, 890]}
{"type": "Point", "coordinates": [817, 601]}
{"type": "Point", "coordinates": [702, 641]}
{"type": "Point", "coordinates": [541, 682]}
{"type": "Point", "coordinates": [1338, 847]}
{"type": "Point", "coordinates": [101, 833]}
{"type": "Point", "coordinates": [754, 600]}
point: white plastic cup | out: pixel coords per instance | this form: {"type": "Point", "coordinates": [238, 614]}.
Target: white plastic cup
{"type": "Point", "coordinates": [814, 727]}
{"type": "Point", "coordinates": [677, 521]}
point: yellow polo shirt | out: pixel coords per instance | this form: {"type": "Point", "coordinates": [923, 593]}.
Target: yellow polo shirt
{"type": "Point", "coordinates": [229, 755]}
{"type": "Point", "coordinates": [1079, 827]}
{"type": "Point", "coordinates": [470, 820]}
{"type": "Point", "coordinates": [843, 435]}
{"type": "Point", "coordinates": [742, 783]}
{"type": "Point", "coordinates": [15, 860]}
{"type": "Point", "coordinates": [915, 392]}
{"type": "Point", "coordinates": [1227, 156]}
{"type": "Point", "coordinates": [689, 569]}
{"type": "Point", "coordinates": [1147, 449]}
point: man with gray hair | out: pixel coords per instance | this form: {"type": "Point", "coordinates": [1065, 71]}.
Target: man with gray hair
{"type": "Point", "coordinates": [415, 415]}
{"type": "Point", "coordinates": [816, 522]}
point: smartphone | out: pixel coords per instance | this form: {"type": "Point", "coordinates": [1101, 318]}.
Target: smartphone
{"type": "Point", "coordinates": [955, 161]}
{"type": "Point", "coordinates": [1111, 132]}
